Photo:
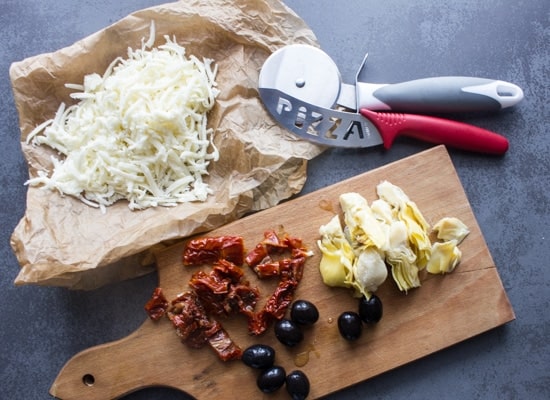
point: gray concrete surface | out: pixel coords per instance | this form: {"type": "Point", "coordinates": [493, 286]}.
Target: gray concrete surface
{"type": "Point", "coordinates": [41, 328]}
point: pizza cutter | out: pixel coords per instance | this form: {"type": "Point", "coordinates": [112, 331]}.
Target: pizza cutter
{"type": "Point", "coordinates": [308, 74]}
{"type": "Point", "coordinates": [299, 85]}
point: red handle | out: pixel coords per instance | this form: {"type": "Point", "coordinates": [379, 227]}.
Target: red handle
{"type": "Point", "coordinates": [436, 130]}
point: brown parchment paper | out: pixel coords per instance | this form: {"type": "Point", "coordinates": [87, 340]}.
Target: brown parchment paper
{"type": "Point", "coordinates": [63, 242]}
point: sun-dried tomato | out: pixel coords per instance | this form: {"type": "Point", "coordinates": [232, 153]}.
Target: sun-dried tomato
{"type": "Point", "coordinates": [297, 266]}
{"type": "Point", "coordinates": [256, 255]}
{"type": "Point", "coordinates": [195, 328]}
{"type": "Point", "coordinates": [223, 291]}
{"type": "Point", "coordinates": [224, 346]}
{"type": "Point", "coordinates": [294, 242]}
{"type": "Point", "coordinates": [243, 298]}
{"type": "Point", "coordinates": [281, 298]}
{"type": "Point", "coordinates": [209, 282]}
{"type": "Point", "coordinates": [268, 269]}
{"type": "Point", "coordinates": [228, 269]}
{"type": "Point", "coordinates": [275, 307]}
{"type": "Point", "coordinates": [282, 268]}
{"type": "Point", "coordinates": [186, 314]}
{"type": "Point", "coordinates": [157, 305]}
{"type": "Point", "coordinates": [207, 250]}
{"type": "Point", "coordinates": [265, 266]}
{"type": "Point", "coordinates": [289, 270]}
{"type": "Point", "coordinates": [258, 322]}
{"type": "Point", "coordinates": [273, 243]}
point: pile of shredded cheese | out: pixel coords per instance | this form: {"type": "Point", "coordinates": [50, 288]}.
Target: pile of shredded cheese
{"type": "Point", "coordinates": [139, 132]}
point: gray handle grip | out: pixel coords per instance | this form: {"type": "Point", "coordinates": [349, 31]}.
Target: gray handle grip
{"type": "Point", "coordinates": [440, 94]}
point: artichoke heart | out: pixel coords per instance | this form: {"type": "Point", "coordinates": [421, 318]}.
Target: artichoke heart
{"type": "Point", "coordinates": [354, 256]}
{"type": "Point", "coordinates": [402, 258]}
{"type": "Point", "coordinates": [336, 265]}
{"type": "Point", "coordinates": [418, 233]}
{"type": "Point", "coordinates": [408, 212]}
{"type": "Point", "coordinates": [451, 228]}
{"type": "Point", "coordinates": [445, 257]}
{"type": "Point", "coordinates": [390, 232]}
{"type": "Point", "coordinates": [369, 271]}
{"type": "Point", "coordinates": [383, 211]}
{"type": "Point", "coordinates": [363, 228]}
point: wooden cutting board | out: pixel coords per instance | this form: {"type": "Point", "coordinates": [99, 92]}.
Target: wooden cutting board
{"type": "Point", "coordinates": [444, 311]}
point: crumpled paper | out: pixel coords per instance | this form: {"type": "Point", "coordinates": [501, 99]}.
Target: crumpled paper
{"type": "Point", "coordinates": [62, 242]}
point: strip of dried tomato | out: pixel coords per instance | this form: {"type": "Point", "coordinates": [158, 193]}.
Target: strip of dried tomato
{"type": "Point", "coordinates": [212, 283]}
{"type": "Point", "coordinates": [281, 298]}
{"type": "Point", "coordinates": [287, 267]}
{"type": "Point", "coordinates": [267, 270]}
{"type": "Point", "coordinates": [195, 328]}
{"type": "Point", "coordinates": [208, 250]}
{"type": "Point", "coordinates": [258, 323]}
{"type": "Point", "coordinates": [256, 255]}
{"type": "Point", "coordinates": [294, 242]}
{"type": "Point", "coordinates": [221, 290]}
{"type": "Point", "coordinates": [157, 305]}
{"type": "Point", "coordinates": [273, 243]}
{"type": "Point", "coordinates": [275, 307]}
{"type": "Point", "coordinates": [187, 315]}
{"type": "Point", "coordinates": [242, 298]}
{"type": "Point", "coordinates": [224, 346]}
{"type": "Point", "coordinates": [296, 267]}
{"type": "Point", "coordinates": [229, 270]}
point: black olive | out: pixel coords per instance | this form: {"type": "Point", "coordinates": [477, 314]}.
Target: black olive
{"type": "Point", "coordinates": [350, 325]}
{"type": "Point", "coordinates": [288, 332]}
{"type": "Point", "coordinates": [297, 385]}
{"type": "Point", "coordinates": [370, 310]}
{"type": "Point", "coordinates": [304, 312]}
{"type": "Point", "coordinates": [271, 379]}
{"type": "Point", "coordinates": [259, 356]}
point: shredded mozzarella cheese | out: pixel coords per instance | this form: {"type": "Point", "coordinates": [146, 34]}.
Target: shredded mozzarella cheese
{"type": "Point", "coordinates": [139, 132]}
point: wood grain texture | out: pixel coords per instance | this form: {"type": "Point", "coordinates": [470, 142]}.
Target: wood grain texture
{"type": "Point", "coordinates": [444, 311]}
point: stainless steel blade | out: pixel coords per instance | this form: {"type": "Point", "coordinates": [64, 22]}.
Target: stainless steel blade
{"type": "Point", "coordinates": [303, 72]}
{"type": "Point", "coordinates": [318, 124]}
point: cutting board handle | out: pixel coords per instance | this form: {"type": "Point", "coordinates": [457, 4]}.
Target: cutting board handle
{"type": "Point", "coordinates": [114, 369]}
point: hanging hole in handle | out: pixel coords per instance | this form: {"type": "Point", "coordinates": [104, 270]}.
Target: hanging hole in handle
{"type": "Point", "coordinates": [509, 94]}
{"type": "Point", "coordinates": [507, 91]}
{"type": "Point", "coordinates": [88, 380]}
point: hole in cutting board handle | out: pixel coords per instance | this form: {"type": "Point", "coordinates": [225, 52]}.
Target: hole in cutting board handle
{"type": "Point", "coordinates": [88, 380]}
